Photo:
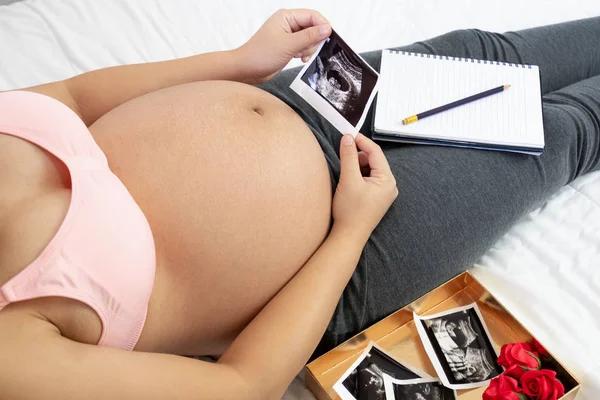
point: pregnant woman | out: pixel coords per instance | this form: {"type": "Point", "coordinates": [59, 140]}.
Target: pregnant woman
{"type": "Point", "coordinates": [172, 209]}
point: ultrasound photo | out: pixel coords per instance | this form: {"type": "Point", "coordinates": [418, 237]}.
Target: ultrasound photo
{"type": "Point", "coordinates": [341, 78]}
{"type": "Point", "coordinates": [460, 343]}
{"type": "Point", "coordinates": [417, 389]}
{"type": "Point", "coordinates": [365, 379]}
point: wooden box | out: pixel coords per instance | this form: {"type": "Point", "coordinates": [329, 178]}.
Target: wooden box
{"type": "Point", "coordinates": [398, 335]}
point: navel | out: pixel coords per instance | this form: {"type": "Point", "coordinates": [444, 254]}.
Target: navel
{"type": "Point", "coordinates": [259, 110]}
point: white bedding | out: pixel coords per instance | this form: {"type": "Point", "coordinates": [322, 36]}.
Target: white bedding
{"type": "Point", "coordinates": [546, 269]}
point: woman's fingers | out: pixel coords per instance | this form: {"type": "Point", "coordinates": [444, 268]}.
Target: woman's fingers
{"type": "Point", "coordinates": [360, 202]}
{"type": "Point", "coordinates": [307, 54]}
{"type": "Point", "coordinates": [308, 29]}
{"type": "Point", "coordinates": [361, 157]}
{"type": "Point", "coordinates": [349, 161]}
{"type": "Point", "coordinates": [377, 160]}
{"type": "Point", "coordinates": [363, 163]}
{"type": "Point", "coordinates": [301, 18]}
{"type": "Point", "coordinates": [307, 38]}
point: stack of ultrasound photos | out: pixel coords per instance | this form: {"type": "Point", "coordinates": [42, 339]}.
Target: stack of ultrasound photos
{"type": "Point", "coordinates": [459, 346]}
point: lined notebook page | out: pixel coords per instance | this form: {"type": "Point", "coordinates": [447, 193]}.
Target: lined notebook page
{"type": "Point", "coordinates": [413, 83]}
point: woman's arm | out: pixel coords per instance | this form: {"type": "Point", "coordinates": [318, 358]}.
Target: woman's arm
{"type": "Point", "coordinates": [287, 34]}
{"type": "Point", "coordinates": [94, 93]}
{"type": "Point", "coordinates": [264, 358]}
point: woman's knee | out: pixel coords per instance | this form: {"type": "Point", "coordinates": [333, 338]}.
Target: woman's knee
{"type": "Point", "coordinates": [473, 41]}
{"type": "Point", "coordinates": [469, 43]}
{"type": "Point", "coordinates": [463, 35]}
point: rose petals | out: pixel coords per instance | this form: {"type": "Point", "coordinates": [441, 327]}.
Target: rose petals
{"type": "Point", "coordinates": [542, 385]}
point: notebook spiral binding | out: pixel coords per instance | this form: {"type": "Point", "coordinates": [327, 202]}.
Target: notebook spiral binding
{"type": "Point", "coordinates": [448, 58]}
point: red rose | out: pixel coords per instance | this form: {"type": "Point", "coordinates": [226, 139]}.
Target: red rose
{"type": "Point", "coordinates": [503, 388]}
{"type": "Point", "coordinates": [515, 371]}
{"type": "Point", "coordinates": [518, 358]}
{"type": "Point", "coordinates": [537, 347]}
{"type": "Point", "coordinates": [542, 385]}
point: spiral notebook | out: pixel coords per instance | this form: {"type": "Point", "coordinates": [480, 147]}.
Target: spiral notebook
{"type": "Point", "coordinates": [412, 83]}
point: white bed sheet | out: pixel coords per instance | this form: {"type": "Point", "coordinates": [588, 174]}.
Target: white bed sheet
{"type": "Point", "coordinates": [546, 269]}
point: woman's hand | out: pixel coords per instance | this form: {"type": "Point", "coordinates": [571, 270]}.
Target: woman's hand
{"type": "Point", "coordinates": [366, 188]}
{"type": "Point", "coordinates": [285, 35]}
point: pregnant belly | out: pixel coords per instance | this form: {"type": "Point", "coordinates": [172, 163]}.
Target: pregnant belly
{"type": "Point", "coordinates": [238, 196]}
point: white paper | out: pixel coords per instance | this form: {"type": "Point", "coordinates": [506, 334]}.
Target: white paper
{"type": "Point", "coordinates": [389, 383]}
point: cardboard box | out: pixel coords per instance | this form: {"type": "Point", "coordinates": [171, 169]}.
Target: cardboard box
{"type": "Point", "coordinates": [398, 335]}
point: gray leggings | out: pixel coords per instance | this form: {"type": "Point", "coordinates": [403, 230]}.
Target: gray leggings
{"type": "Point", "coordinates": [454, 204]}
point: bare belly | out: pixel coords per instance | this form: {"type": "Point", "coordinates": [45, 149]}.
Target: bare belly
{"type": "Point", "coordinates": [238, 195]}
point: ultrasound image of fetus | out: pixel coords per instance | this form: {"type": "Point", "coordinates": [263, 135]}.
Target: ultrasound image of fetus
{"type": "Point", "coordinates": [366, 381]}
{"type": "Point", "coordinates": [342, 78]}
{"type": "Point", "coordinates": [463, 346]}
{"type": "Point", "coordinates": [339, 81]}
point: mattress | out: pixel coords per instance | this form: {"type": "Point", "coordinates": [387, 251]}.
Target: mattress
{"type": "Point", "coordinates": [546, 270]}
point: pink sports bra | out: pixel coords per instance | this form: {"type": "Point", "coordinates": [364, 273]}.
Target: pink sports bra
{"type": "Point", "coordinates": [103, 253]}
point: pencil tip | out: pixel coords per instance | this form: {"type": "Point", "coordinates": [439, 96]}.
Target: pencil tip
{"type": "Point", "coordinates": [506, 87]}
